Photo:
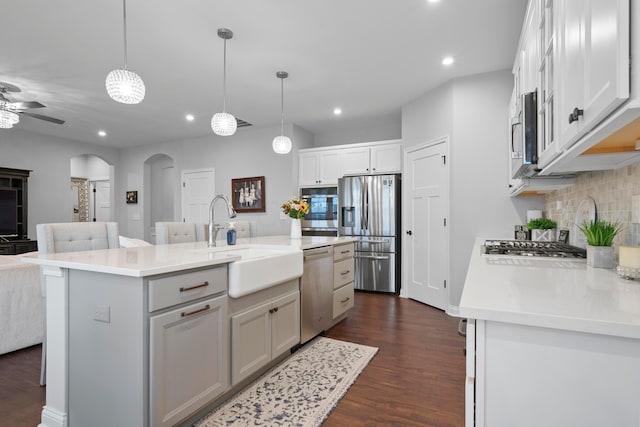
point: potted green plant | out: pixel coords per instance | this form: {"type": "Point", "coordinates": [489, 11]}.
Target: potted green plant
{"type": "Point", "coordinates": [542, 229]}
{"type": "Point", "coordinates": [600, 235]}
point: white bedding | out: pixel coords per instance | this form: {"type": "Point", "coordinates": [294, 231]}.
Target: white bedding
{"type": "Point", "coordinates": [21, 304]}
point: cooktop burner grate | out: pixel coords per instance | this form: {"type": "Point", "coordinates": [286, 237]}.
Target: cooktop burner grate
{"type": "Point", "coordinates": [533, 248]}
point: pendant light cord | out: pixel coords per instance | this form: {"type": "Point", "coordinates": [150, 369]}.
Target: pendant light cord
{"type": "Point", "coordinates": [282, 107]}
{"type": "Point", "coordinates": [224, 78]}
{"type": "Point", "coordinates": [124, 14]}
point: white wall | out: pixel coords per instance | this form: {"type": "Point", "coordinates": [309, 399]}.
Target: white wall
{"type": "Point", "coordinates": [246, 154]}
{"type": "Point", "coordinates": [381, 128]}
{"type": "Point", "coordinates": [49, 158]}
{"type": "Point", "coordinates": [473, 112]}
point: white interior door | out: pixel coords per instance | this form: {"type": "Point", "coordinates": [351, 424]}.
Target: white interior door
{"type": "Point", "coordinates": [101, 205]}
{"type": "Point", "coordinates": [198, 189]}
{"type": "Point", "coordinates": [426, 184]}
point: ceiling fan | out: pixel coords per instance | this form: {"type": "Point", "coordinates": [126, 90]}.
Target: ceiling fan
{"type": "Point", "coordinates": [7, 106]}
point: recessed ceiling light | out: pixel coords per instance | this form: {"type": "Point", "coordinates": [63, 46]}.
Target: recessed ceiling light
{"type": "Point", "coordinates": [448, 60]}
{"type": "Point", "coordinates": [102, 133]}
{"type": "Point", "coordinates": [433, 1]}
{"type": "Point", "coordinates": [189, 117]}
{"type": "Point", "coordinates": [337, 111]}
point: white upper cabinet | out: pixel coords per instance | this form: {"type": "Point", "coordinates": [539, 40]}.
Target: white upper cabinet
{"type": "Point", "coordinates": [322, 167]}
{"type": "Point", "coordinates": [319, 168]}
{"type": "Point", "coordinates": [386, 158]}
{"type": "Point", "coordinates": [592, 64]}
{"type": "Point", "coordinates": [355, 161]}
{"type": "Point", "coordinates": [587, 91]}
{"type": "Point", "coordinates": [377, 159]}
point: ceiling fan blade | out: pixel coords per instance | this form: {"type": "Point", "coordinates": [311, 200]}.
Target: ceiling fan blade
{"type": "Point", "coordinates": [8, 87]}
{"type": "Point", "coordinates": [24, 105]}
{"type": "Point", "coordinates": [41, 117]}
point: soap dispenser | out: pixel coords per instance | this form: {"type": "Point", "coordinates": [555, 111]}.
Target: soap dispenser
{"type": "Point", "coordinates": [231, 234]}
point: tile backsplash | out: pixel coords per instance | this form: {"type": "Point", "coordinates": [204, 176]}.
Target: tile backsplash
{"type": "Point", "coordinates": [612, 191]}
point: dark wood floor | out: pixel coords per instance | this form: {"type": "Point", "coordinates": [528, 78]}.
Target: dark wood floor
{"type": "Point", "coordinates": [416, 379]}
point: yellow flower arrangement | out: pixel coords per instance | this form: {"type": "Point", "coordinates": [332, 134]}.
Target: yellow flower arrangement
{"type": "Point", "coordinates": [295, 208]}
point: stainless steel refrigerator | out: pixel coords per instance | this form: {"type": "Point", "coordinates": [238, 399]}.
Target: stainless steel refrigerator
{"type": "Point", "coordinates": [369, 209]}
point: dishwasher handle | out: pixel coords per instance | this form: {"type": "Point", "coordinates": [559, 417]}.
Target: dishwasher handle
{"type": "Point", "coordinates": [322, 252]}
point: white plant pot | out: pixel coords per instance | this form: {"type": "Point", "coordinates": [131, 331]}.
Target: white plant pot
{"type": "Point", "coordinates": [543, 235]}
{"type": "Point", "coordinates": [600, 256]}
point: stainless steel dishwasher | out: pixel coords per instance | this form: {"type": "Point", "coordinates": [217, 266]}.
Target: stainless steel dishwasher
{"type": "Point", "coordinates": [316, 292]}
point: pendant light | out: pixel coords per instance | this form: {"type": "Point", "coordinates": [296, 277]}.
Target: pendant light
{"type": "Point", "coordinates": [224, 124]}
{"type": "Point", "coordinates": [124, 85]}
{"type": "Point", "coordinates": [282, 144]}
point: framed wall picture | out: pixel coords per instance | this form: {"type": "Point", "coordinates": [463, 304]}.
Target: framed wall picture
{"type": "Point", "coordinates": [132, 197]}
{"type": "Point", "coordinates": [248, 194]}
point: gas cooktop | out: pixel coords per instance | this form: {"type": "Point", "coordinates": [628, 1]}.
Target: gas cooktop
{"type": "Point", "coordinates": [533, 249]}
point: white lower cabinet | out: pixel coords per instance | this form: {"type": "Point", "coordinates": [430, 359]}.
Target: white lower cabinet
{"type": "Point", "coordinates": [536, 376]}
{"type": "Point", "coordinates": [263, 332]}
{"type": "Point", "coordinates": [188, 359]}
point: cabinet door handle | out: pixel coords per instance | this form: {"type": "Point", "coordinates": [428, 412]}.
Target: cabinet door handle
{"type": "Point", "coordinates": [573, 117]}
{"type": "Point", "coordinates": [409, 232]}
{"type": "Point", "coordinates": [191, 288]}
{"type": "Point", "coordinates": [345, 252]}
{"type": "Point", "coordinates": [273, 310]}
{"type": "Point", "coordinates": [345, 300]}
{"type": "Point", "coordinates": [345, 272]}
{"type": "Point", "coordinates": [191, 313]}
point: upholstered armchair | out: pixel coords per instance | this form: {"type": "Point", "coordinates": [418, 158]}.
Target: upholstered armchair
{"type": "Point", "coordinates": [179, 232]}
{"type": "Point", "coordinates": [72, 237]}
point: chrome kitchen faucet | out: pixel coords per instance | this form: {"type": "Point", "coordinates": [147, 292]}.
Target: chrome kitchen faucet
{"type": "Point", "coordinates": [213, 227]}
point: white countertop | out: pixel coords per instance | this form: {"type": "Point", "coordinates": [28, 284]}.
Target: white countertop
{"type": "Point", "coordinates": [151, 260]}
{"type": "Point", "coordinates": [550, 292]}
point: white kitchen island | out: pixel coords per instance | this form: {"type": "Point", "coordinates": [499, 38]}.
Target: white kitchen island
{"type": "Point", "coordinates": [140, 336]}
{"type": "Point", "coordinates": [550, 342]}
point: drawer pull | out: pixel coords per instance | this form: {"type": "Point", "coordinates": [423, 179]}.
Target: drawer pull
{"type": "Point", "coordinates": [345, 272]}
{"type": "Point", "coordinates": [192, 288]}
{"type": "Point", "coordinates": [191, 313]}
{"type": "Point", "coordinates": [345, 300]}
{"type": "Point", "coordinates": [345, 252]}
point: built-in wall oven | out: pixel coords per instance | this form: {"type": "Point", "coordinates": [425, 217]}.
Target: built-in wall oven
{"type": "Point", "coordinates": [322, 217]}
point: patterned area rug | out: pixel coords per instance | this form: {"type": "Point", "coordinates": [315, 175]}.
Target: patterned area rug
{"type": "Point", "coordinates": [300, 391]}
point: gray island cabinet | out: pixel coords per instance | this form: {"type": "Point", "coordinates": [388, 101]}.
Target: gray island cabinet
{"type": "Point", "coordinates": [135, 337]}
{"type": "Point", "coordinates": [151, 336]}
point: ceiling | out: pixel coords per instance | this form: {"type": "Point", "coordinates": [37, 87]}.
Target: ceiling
{"type": "Point", "coordinates": [369, 57]}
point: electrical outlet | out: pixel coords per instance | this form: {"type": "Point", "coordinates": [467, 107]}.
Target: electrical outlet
{"type": "Point", "coordinates": [102, 313]}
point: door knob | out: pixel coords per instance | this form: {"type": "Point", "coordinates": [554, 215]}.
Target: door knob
{"type": "Point", "coordinates": [409, 232]}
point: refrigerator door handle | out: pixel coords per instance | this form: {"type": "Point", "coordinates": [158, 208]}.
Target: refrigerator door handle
{"type": "Point", "coordinates": [362, 190]}
{"type": "Point", "coordinates": [365, 208]}
{"type": "Point", "coordinates": [376, 257]}
{"type": "Point", "coordinates": [372, 241]}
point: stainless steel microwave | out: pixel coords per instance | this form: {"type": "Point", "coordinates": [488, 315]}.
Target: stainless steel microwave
{"type": "Point", "coordinates": [322, 217]}
{"type": "Point", "coordinates": [524, 138]}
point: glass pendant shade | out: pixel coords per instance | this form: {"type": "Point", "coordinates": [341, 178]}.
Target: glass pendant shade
{"type": "Point", "coordinates": [125, 86]}
{"type": "Point", "coordinates": [281, 144]}
{"type": "Point", "coordinates": [224, 124]}
{"type": "Point", "coordinates": [8, 119]}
